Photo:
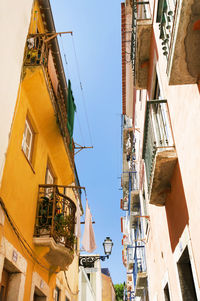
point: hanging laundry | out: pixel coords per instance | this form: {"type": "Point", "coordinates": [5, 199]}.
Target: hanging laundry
{"type": "Point", "coordinates": [30, 43]}
{"type": "Point", "coordinates": [88, 241]}
{"type": "Point", "coordinates": [78, 222]}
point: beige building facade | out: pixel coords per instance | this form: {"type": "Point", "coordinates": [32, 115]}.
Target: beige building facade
{"type": "Point", "coordinates": [161, 150]}
{"type": "Point", "coordinates": [14, 21]}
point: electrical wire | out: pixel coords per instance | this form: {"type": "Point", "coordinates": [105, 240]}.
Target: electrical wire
{"type": "Point", "coordinates": [22, 240]}
{"type": "Point", "coordinates": [68, 71]}
{"type": "Point", "coordinates": [82, 92]}
{"type": "Point", "coordinates": [79, 125]}
{"type": "Point", "coordinates": [65, 56]}
{"type": "Point", "coordinates": [75, 294]}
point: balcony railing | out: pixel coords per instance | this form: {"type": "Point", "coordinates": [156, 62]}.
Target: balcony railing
{"type": "Point", "coordinates": [130, 180]}
{"type": "Point", "coordinates": [158, 150]}
{"type": "Point", "coordinates": [165, 19]}
{"type": "Point", "coordinates": [139, 270]}
{"type": "Point", "coordinates": [130, 257]}
{"type": "Point", "coordinates": [140, 41]}
{"type": "Point", "coordinates": [36, 52]}
{"type": "Point", "coordinates": [124, 204]}
{"type": "Point", "coordinates": [55, 215]}
{"type": "Point", "coordinates": [179, 31]}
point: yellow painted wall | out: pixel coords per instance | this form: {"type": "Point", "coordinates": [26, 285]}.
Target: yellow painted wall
{"type": "Point", "coordinates": [108, 293]}
{"type": "Point", "coordinates": [20, 179]}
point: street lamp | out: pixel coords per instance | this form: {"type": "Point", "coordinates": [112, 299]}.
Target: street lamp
{"type": "Point", "coordinates": [107, 245]}
{"type": "Point", "coordinates": [88, 261]}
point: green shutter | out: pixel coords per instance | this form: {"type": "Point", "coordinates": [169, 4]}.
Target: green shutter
{"type": "Point", "coordinates": [71, 108]}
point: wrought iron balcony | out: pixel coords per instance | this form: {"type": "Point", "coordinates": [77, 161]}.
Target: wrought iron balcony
{"type": "Point", "coordinates": [139, 270]}
{"type": "Point", "coordinates": [179, 31]}
{"type": "Point", "coordinates": [159, 151]}
{"type": "Point", "coordinates": [36, 52]}
{"type": "Point", "coordinates": [55, 222]}
{"type": "Point", "coordinates": [130, 183]}
{"type": "Point", "coordinates": [140, 42]}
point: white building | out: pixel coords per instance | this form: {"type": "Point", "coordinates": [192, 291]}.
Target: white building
{"type": "Point", "coordinates": [90, 282]}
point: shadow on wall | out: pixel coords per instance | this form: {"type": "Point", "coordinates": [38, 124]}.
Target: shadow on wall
{"type": "Point", "coordinates": [176, 208]}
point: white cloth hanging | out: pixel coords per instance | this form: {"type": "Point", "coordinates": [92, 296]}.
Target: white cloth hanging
{"type": "Point", "coordinates": [88, 241]}
{"type": "Point", "coordinates": [78, 222]}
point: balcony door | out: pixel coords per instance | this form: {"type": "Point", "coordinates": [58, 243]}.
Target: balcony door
{"type": "Point", "coordinates": [49, 178]}
{"type": "Point", "coordinates": [4, 285]}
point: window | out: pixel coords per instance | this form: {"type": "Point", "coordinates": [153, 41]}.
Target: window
{"type": "Point", "coordinates": [28, 138]}
{"type": "Point", "coordinates": [166, 292]}
{"type": "Point", "coordinates": [156, 90]}
{"type": "Point", "coordinates": [57, 294]}
{"type": "Point", "coordinates": [38, 295]}
{"type": "Point", "coordinates": [49, 178]}
{"type": "Point", "coordinates": [186, 277]}
{"type": "Point", "coordinates": [162, 6]}
{"type": "Point", "coordinates": [12, 278]}
{"type": "Point", "coordinates": [4, 285]}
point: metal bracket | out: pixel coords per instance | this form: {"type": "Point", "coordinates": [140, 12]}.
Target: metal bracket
{"type": "Point", "coordinates": [52, 35]}
{"type": "Point", "coordinates": [80, 148]}
{"type": "Point", "coordinates": [88, 261]}
{"type": "Point", "coordinates": [144, 216]}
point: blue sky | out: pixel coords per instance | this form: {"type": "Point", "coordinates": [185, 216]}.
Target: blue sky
{"type": "Point", "coordinates": [96, 27]}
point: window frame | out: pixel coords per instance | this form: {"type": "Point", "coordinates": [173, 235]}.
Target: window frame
{"type": "Point", "coordinates": [49, 172]}
{"type": "Point", "coordinates": [28, 128]}
{"type": "Point", "coordinates": [57, 293]}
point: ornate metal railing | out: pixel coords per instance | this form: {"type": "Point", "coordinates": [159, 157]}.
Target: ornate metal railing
{"type": "Point", "coordinates": [36, 52]}
{"type": "Point", "coordinates": [165, 17]}
{"type": "Point", "coordinates": [140, 11]}
{"type": "Point", "coordinates": [55, 215]}
{"type": "Point", "coordinates": [157, 133]}
{"type": "Point", "coordinates": [130, 180]}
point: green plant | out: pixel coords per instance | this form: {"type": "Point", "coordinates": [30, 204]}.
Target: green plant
{"type": "Point", "coordinates": [119, 291]}
{"type": "Point", "coordinates": [63, 228]}
{"type": "Point", "coordinates": [45, 211]}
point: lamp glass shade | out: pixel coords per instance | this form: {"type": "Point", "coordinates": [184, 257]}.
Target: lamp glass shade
{"type": "Point", "coordinates": [107, 244]}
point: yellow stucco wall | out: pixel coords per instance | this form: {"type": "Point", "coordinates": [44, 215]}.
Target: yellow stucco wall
{"type": "Point", "coordinates": [108, 293]}
{"type": "Point", "coordinates": [20, 179]}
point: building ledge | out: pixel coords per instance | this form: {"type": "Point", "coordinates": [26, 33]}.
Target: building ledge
{"type": "Point", "coordinates": [143, 41]}
{"type": "Point", "coordinates": [183, 64]}
{"type": "Point", "coordinates": [141, 283]}
{"type": "Point", "coordinates": [165, 161]}
{"type": "Point", "coordinates": [58, 255]}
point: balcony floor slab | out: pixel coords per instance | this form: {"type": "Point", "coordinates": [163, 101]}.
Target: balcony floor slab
{"type": "Point", "coordinates": [144, 31]}
{"type": "Point", "coordinates": [141, 283]}
{"type": "Point", "coordinates": [58, 255]}
{"type": "Point", "coordinates": [165, 162]}
{"type": "Point", "coordinates": [183, 63]}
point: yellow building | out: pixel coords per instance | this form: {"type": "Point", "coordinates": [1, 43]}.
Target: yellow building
{"type": "Point", "coordinates": [108, 291]}
{"type": "Point", "coordinates": [39, 191]}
